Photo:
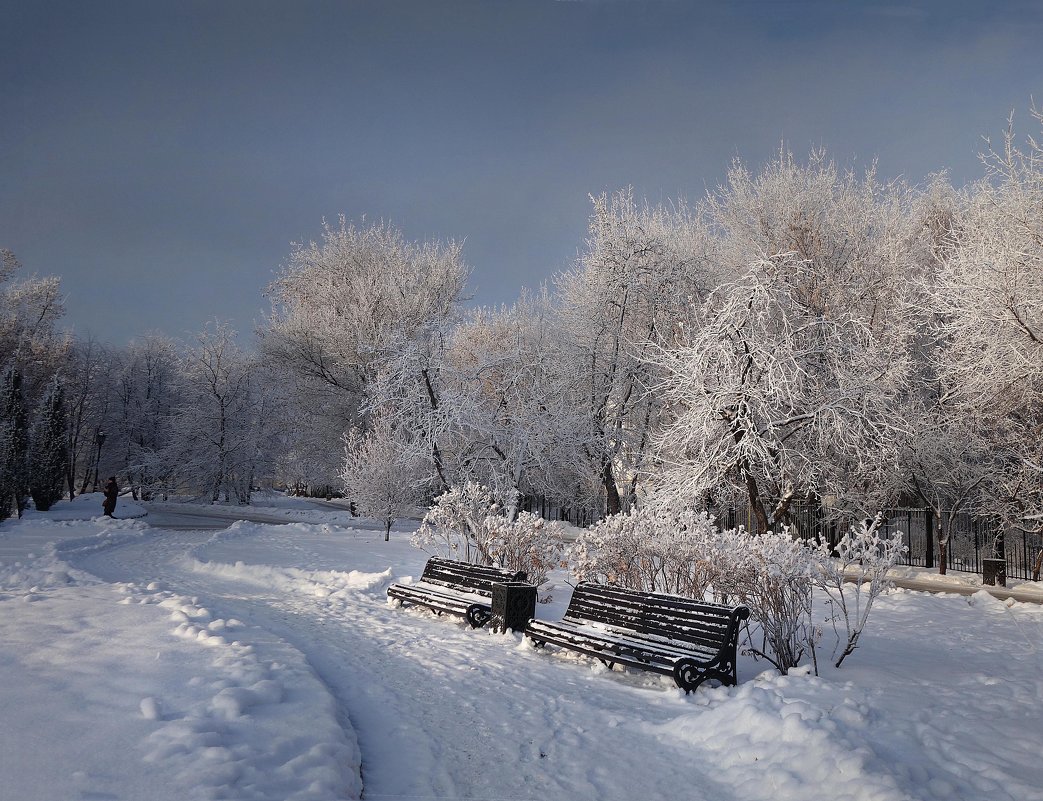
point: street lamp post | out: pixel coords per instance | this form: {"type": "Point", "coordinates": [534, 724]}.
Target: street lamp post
{"type": "Point", "coordinates": [99, 440]}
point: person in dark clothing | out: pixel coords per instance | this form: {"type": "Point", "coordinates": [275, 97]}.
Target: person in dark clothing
{"type": "Point", "coordinates": [112, 491]}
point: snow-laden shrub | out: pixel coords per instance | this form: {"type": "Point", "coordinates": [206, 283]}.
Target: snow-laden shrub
{"type": "Point", "coordinates": [853, 576]}
{"type": "Point", "coordinates": [655, 549]}
{"type": "Point", "coordinates": [466, 523]}
{"type": "Point", "coordinates": [455, 526]}
{"type": "Point", "coordinates": [528, 543]}
{"type": "Point", "coordinates": [608, 551]}
{"type": "Point", "coordinates": [773, 574]}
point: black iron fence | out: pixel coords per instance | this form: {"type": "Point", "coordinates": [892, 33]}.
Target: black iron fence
{"type": "Point", "coordinates": [972, 538]}
{"type": "Point", "coordinates": [552, 510]}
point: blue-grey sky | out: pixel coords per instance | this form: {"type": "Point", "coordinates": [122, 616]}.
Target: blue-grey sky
{"type": "Point", "coordinates": [162, 156]}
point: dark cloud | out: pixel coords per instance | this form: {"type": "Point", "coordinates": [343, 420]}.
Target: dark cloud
{"type": "Point", "coordinates": [161, 157]}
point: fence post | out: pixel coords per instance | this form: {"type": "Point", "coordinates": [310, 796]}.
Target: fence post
{"type": "Point", "coordinates": [928, 523]}
{"type": "Point", "coordinates": [909, 535]}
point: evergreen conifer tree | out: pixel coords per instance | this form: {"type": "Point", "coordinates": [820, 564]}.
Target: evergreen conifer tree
{"type": "Point", "coordinates": [14, 444]}
{"type": "Point", "coordinates": [48, 457]}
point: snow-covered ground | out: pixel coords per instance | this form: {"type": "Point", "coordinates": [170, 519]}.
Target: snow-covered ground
{"type": "Point", "coordinates": [263, 662]}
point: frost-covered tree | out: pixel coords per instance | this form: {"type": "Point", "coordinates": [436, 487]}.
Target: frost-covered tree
{"type": "Point", "coordinates": [786, 386]}
{"type": "Point", "coordinates": [308, 420]}
{"type": "Point", "coordinates": [945, 459]}
{"type": "Point", "coordinates": [136, 413]}
{"type": "Point", "coordinates": [30, 309]}
{"type": "Point", "coordinates": [989, 295]}
{"type": "Point", "coordinates": [89, 381]}
{"type": "Point", "coordinates": [411, 388]}
{"type": "Point", "coordinates": [948, 465]}
{"type": "Point", "coordinates": [643, 268]}
{"type": "Point", "coordinates": [14, 444]}
{"type": "Point", "coordinates": [385, 472]}
{"type": "Point", "coordinates": [218, 424]}
{"type": "Point", "coordinates": [364, 302]}
{"type": "Point", "coordinates": [767, 395]}
{"type": "Point", "coordinates": [516, 416]}
{"type": "Point", "coordinates": [48, 457]}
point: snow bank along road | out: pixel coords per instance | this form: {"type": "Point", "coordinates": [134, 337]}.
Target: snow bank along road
{"type": "Point", "coordinates": [309, 667]}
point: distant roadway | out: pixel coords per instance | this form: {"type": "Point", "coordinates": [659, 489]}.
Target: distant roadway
{"type": "Point", "coordinates": [214, 518]}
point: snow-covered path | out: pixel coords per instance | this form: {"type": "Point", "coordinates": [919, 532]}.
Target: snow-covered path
{"type": "Point", "coordinates": [260, 661]}
{"type": "Point", "coordinates": [439, 710]}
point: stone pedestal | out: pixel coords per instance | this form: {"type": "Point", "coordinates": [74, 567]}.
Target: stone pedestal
{"type": "Point", "coordinates": [514, 604]}
{"type": "Point", "coordinates": [994, 572]}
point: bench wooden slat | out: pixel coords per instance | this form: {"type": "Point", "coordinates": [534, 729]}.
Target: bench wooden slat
{"type": "Point", "coordinates": [692, 640]}
{"type": "Point", "coordinates": [609, 638]}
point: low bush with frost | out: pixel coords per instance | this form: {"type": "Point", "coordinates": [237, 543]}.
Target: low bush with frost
{"type": "Point", "coordinates": [852, 575]}
{"type": "Point", "coordinates": [657, 549]}
{"type": "Point", "coordinates": [467, 523]}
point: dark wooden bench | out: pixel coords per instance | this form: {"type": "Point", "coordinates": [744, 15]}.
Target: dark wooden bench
{"type": "Point", "coordinates": [693, 641]}
{"type": "Point", "coordinates": [457, 588]}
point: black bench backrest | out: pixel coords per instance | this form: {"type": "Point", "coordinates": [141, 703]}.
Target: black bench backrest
{"type": "Point", "coordinates": [600, 603]}
{"type": "Point", "coordinates": [702, 623]}
{"type": "Point", "coordinates": [478, 579]}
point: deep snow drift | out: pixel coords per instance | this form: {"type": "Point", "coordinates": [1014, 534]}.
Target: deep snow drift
{"type": "Point", "coordinates": [263, 662]}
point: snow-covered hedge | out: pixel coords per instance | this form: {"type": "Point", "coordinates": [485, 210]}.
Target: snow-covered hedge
{"type": "Point", "coordinates": [655, 549]}
{"type": "Point", "coordinates": [467, 523]}
{"type": "Point", "coordinates": [659, 549]}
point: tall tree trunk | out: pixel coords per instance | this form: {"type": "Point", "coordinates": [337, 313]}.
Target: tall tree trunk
{"type": "Point", "coordinates": [943, 545]}
{"type": "Point", "coordinates": [436, 454]}
{"type": "Point", "coordinates": [612, 505]}
{"type": "Point", "coordinates": [756, 504]}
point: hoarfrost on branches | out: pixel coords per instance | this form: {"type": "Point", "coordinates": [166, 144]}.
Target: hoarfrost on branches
{"type": "Point", "coordinates": [466, 523]}
{"type": "Point", "coordinates": [30, 310]}
{"type": "Point", "coordinates": [385, 473]}
{"type": "Point", "coordinates": [515, 411]}
{"type": "Point", "coordinates": [853, 574]}
{"type": "Point", "coordinates": [217, 437]}
{"type": "Point", "coordinates": [650, 548]}
{"type": "Point", "coordinates": [989, 295]}
{"type": "Point", "coordinates": [642, 271]}
{"type": "Point", "coordinates": [362, 302]}
{"type": "Point", "coordinates": [786, 385]}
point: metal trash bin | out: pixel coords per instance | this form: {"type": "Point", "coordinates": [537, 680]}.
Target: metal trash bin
{"type": "Point", "coordinates": [994, 572]}
{"type": "Point", "coordinates": [514, 604]}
